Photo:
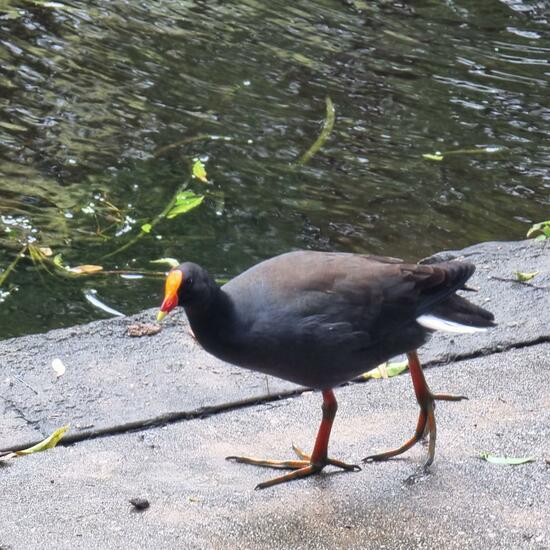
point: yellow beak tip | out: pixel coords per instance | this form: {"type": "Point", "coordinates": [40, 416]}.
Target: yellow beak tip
{"type": "Point", "coordinates": [161, 315]}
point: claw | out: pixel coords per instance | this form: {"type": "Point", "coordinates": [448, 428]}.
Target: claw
{"type": "Point", "coordinates": [426, 426]}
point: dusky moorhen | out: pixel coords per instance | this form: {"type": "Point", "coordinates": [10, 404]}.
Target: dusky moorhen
{"type": "Point", "coordinates": [320, 319]}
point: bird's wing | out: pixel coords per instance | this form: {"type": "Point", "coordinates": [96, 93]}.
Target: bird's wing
{"type": "Point", "coordinates": [343, 298]}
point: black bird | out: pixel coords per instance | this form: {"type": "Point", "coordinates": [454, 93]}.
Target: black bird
{"type": "Point", "coordinates": [320, 319]}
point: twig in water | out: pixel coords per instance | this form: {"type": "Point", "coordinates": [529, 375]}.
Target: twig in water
{"type": "Point", "coordinates": [4, 276]}
{"type": "Point", "coordinates": [325, 132]}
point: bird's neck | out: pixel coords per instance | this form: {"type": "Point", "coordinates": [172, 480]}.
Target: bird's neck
{"type": "Point", "coordinates": [209, 320]}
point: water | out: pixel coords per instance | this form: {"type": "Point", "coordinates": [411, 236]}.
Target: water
{"type": "Point", "coordinates": [92, 93]}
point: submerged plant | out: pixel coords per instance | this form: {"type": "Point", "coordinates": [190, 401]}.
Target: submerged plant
{"type": "Point", "coordinates": [539, 231]}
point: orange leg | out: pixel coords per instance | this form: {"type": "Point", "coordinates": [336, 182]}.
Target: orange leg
{"type": "Point", "coordinates": [426, 418]}
{"type": "Point", "coordinates": [308, 464]}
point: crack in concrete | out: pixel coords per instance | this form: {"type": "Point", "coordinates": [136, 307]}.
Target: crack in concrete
{"type": "Point", "coordinates": [11, 406]}
{"type": "Point", "coordinates": [167, 418]}
{"type": "Point", "coordinates": [204, 412]}
{"type": "Point", "coordinates": [484, 352]}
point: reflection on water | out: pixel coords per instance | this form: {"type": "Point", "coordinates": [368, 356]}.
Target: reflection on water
{"type": "Point", "coordinates": [103, 103]}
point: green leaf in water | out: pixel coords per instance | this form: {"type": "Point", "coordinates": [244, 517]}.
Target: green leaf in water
{"type": "Point", "coordinates": [401, 36]}
{"type": "Point", "coordinates": [432, 156]}
{"type": "Point", "coordinates": [386, 370]}
{"type": "Point", "coordinates": [146, 227]}
{"type": "Point", "coordinates": [439, 155]}
{"type": "Point", "coordinates": [185, 201]}
{"type": "Point", "coordinates": [172, 262]}
{"type": "Point", "coordinates": [13, 127]}
{"type": "Point", "coordinates": [539, 231]}
{"type": "Point", "coordinates": [505, 460]}
{"type": "Point", "coordinates": [199, 171]}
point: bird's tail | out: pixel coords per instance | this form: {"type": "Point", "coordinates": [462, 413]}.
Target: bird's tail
{"type": "Point", "coordinates": [456, 314]}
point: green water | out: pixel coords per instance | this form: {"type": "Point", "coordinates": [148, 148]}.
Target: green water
{"type": "Point", "coordinates": [92, 93]}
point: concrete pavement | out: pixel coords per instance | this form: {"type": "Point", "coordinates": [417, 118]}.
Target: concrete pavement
{"type": "Point", "coordinates": [155, 416]}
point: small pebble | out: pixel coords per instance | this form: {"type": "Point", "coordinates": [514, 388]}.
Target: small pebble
{"type": "Point", "coordinates": [139, 503]}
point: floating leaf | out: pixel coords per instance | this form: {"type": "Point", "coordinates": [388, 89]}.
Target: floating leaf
{"type": "Point", "coordinates": [172, 262]}
{"type": "Point", "coordinates": [386, 370]}
{"type": "Point", "coordinates": [403, 37]}
{"type": "Point", "coordinates": [505, 460]}
{"type": "Point", "coordinates": [432, 156]}
{"type": "Point", "coordinates": [439, 155]}
{"type": "Point", "coordinates": [58, 261]}
{"type": "Point", "coordinates": [58, 367]}
{"type": "Point", "coordinates": [84, 269]}
{"type": "Point", "coordinates": [199, 171]}
{"type": "Point", "coordinates": [185, 201]}
{"type": "Point", "coordinates": [10, 125]}
{"type": "Point", "coordinates": [146, 227]}
{"type": "Point", "coordinates": [524, 277]}
{"type": "Point", "coordinates": [539, 231]}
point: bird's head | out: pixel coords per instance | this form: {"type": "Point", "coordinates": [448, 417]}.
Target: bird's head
{"type": "Point", "coordinates": [186, 285]}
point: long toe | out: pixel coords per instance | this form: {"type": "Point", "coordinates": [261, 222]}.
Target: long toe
{"type": "Point", "coordinates": [421, 425]}
{"type": "Point", "coordinates": [302, 468]}
{"type": "Point", "coordinates": [328, 461]}
{"type": "Point", "coordinates": [268, 463]}
{"type": "Point", "coordinates": [447, 397]}
{"type": "Point", "coordinates": [306, 471]}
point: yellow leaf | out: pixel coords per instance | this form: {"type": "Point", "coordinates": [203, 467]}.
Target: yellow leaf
{"type": "Point", "coordinates": [86, 268]}
{"type": "Point", "coordinates": [199, 171]}
{"type": "Point", "coordinates": [386, 370]}
{"type": "Point", "coordinates": [524, 277]}
{"type": "Point", "coordinates": [48, 443]}
{"type": "Point", "coordinates": [432, 156]}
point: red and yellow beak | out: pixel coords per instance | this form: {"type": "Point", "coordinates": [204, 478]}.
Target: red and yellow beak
{"type": "Point", "coordinates": [173, 283]}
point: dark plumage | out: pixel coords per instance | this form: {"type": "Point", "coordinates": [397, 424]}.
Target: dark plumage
{"type": "Point", "coordinates": [320, 319]}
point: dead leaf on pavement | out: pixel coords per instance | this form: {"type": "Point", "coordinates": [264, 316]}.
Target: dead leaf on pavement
{"type": "Point", "coordinates": [386, 370]}
{"type": "Point", "coordinates": [506, 460]}
{"type": "Point", "coordinates": [143, 329]}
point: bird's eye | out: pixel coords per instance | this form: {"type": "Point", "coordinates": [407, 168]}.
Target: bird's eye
{"type": "Point", "coordinates": [190, 281]}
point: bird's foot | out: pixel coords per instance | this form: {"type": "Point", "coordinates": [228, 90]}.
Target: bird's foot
{"type": "Point", "coordinates": [426, 427]}
{"type": "Point", "coordinates": [301, 468]}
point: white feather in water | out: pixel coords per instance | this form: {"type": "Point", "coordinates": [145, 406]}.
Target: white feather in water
{"type": "Point", "coordinates": [90, 295]}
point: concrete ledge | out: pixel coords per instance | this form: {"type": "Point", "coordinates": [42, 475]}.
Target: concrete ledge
{"type": "Point", "coordinates": [114, 382]}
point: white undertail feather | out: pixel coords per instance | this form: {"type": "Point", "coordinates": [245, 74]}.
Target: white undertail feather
{"type": "Point", "coordinates": [437, 323]}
